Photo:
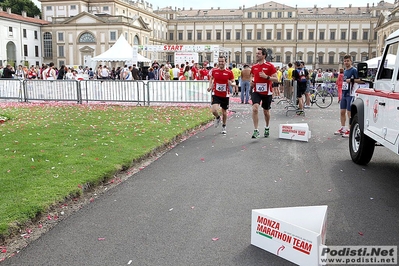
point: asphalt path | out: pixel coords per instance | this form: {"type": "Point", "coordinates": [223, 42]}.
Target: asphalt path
{"type": "Point", "coordinates": [193, 205]}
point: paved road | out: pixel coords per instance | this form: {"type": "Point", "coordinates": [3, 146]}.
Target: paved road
{"type": "Point", "coordinates": [205, 188]}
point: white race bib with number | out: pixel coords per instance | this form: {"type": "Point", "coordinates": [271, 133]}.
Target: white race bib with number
{"type": "Point", "coordinates": [345, 86]}
{"type": "Point", "coordinates": [261, 87]}
{"type": "Point", "coordinates": [221, 87]}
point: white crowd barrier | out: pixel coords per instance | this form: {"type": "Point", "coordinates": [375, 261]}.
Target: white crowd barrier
{"type": "Point", "coordinates": [135, 91]}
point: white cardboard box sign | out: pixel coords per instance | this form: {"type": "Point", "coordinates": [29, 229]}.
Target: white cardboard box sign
{"type": "Point", "coordinates": [294, 131]}
{"type": "Point", "coordinates": [295, 233]}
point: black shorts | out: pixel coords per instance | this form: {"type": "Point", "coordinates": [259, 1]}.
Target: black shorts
{"type": "Point", "coordinates": [275, 84]}
{"type": "Point", "coordinates": [237, 82]}
{"type": "Point", "coordinates": [222, 101]}
{"type": "Point", "coordinates": [266, 100]}
{"type": "Point", "coordinates": [300, 90]}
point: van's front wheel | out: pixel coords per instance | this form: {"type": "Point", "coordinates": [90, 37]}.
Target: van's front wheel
{"type": "Point", "coordinates": [361, 147]}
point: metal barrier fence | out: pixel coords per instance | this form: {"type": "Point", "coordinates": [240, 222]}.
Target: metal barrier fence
{"type": "Point", "coordinates": [135, 91]}
{"type": "Point", "coordinates": [11, 89]}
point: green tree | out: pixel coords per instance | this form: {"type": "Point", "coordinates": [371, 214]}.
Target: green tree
{"type": "Point", "coordinates": [17, 6]}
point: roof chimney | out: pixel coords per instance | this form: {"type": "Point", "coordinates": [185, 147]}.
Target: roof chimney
{"type": "Point", "coordinates": [24, 14]}
{"type": "Point", "coordinates": [8, 10]}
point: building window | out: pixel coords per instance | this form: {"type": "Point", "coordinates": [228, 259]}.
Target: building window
{"type": "Point", "coordinates": [279, 35]}
{"type": "Point", "coordinates": [87, 37]}
{"type": "Point", "coordinates": [208, 35]}
{"type": "Point", "coordinates": [290, 14]}
{"type": "Point", "coordinates": [112, 35]}
{"type": "Point", "coordinates": [331, 59]}
{"type": "Point", "coordinates": [249, 35]}
{"type": "Point", "coordinates": [238, 59]}
{"type": "Point", "coordinates": [24, 33]}
{"type": "Point", "coordinates": [61, 62]}
{"type": "Point", "coordinates": [180, 36]}
{"type": "Point", "coordinates": [300, 35]}
{"type": "Point", "coordinates": [171, 36]}
{"type": "Point", "coordinates": [49, 8]}
{"type": "Point", "coordinates": [35, 34]}
{"type": "Point", "coordinates": [47, 45]}
{"type": "Point", "coordinates": [10, 31]}
{"type": "Point", "coordinates": [60, 36]}
{"type": "Point", "coordinates": [320, 59]}
{"type": "Point", "coordinates": [353, 58]}
{"type": "Point", "coordinates": [311, 35]}
{"type": "Point", "coordinates": [354, 35]}
{"type": "Point", "coordinates": [105, 8]}
{"type": "Point", "coordinates": [375, 35]}
{"type": "Point", "coordinates": [268, 35]}
{"type": "Point", "coordinates": [238, 35]}
{"type": "Point", "coordinates": [218, 35]}
{"type": "Point", "coordinates": [73, 7]}
{"type": "Point", "coordinates": [310, 59]}
{"type": "Point", "coordinates": [321, 37]}
{"type": "Point", "coordinates": [278, 58]}
{"type": "Point", "coordinates": [26, 50]}
{"type": "Point", "coordinates": [259, 14]}
{"type": "Point", "coordinates": [288, 59]}
{"type": "Point", "coordinates": [170, 16]}
{"type": "Point", "coordinates": [365, 35]}
{"type": "Point", "coordinates": [61, 51]}
{"type": "Point", "coordinates": [228, 35]}
{"type": "Point", "coordinates": [190, 36]}
{"type": "Point", "coordinates": [332, 35]}
{"type": "Point", "coordinates": [249, 14]}
{"type": "Point", "coordinates": [289, 35]}
{"type": "Point", "coordinates": [199, 35]}
{"type": "Point", "coordinates": [258, 35]}
{"type": "Point", "coordinates": [279, 14]}
{"type": "Point", "coordinates": [36, 51]}
{"type": "Point", "coordinates": [343, 35]}
{"type": "Point", "coordinates": [269, 14]}
{"type": "Point", "coordinates": [249, 59]}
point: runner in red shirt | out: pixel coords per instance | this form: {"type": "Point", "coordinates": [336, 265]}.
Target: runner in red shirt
{"type": "Point", "coordinates": [263, 74]}
{"type": "Point", "coordinates": [220, 82]}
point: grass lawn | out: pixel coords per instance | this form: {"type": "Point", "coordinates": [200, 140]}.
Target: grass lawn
{"type": "Point", "coordinates": [50, 151]}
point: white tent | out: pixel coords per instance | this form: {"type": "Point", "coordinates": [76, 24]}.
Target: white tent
{"type": "Point", "coordinates": [120, 51]}
{"type": "Point", "coordinates": [373, 63]}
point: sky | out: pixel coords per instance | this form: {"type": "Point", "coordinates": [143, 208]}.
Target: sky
{"type": "Point", "coordinates": [227, 4]}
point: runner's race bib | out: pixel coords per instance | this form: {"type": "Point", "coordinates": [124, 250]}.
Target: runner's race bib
{"type": "Point", "coordinates": [345, 86]}
{"type": "Point", "coordinates": [221, 87]}
{"type": "Point", "coordinates": [261, 87]}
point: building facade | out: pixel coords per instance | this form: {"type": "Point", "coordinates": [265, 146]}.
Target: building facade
{"type": "Point", "coordinates": [20, 39]}
{"type": "Point", "coordinates": [75, 31]}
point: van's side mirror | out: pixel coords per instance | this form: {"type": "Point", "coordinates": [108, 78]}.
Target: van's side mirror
{"type": "Point", "coordinates": [362, 70]}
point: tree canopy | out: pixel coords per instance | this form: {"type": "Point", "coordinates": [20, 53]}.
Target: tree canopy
{"type": "Point", "coordinates": [17, 6]}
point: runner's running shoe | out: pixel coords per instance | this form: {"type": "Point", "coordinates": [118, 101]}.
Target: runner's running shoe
{"type": "Point", "coordinates": [346, 134]}
{"type": "Point", "coordinates": [267, 133]}
{"type": "Point", "coordinates": [255, 135]}
{"type": "Point", "coordinates": [340, 131]}
{"type": "Point", "coordinates": [224, 132]}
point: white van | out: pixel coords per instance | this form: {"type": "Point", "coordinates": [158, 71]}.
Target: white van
{"type": "Point", "coordinates": [375, 110]}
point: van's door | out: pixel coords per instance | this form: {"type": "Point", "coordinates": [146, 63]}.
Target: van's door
{"type": "Point", "coordinates": [391, 116]}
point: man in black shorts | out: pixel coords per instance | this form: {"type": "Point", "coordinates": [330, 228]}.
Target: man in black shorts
{"type": "Point", "coordinates": [301, 76]}
{"type": "Point", "coordinates": [221, 78]}
{"type": "Point", "coordinates": [263, 74]}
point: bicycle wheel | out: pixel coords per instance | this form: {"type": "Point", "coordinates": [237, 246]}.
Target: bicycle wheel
{"type": "Point", "coordinates": [323, 99]}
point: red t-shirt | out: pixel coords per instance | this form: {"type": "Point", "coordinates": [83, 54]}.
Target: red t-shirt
{"type": "Point", "coordinates": [203, 74]}
{"type": "Point", "coordinates": [181, 72]}
{"type": "Point", "coordinates": [194, 72]}
{"type": "Point", "coordinates": [262, 85]}
{"type": "Point", "coordinates": [221, 79]}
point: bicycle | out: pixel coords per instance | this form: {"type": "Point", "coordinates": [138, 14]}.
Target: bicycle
{"type": "Point", "coordinates": [322, 95]}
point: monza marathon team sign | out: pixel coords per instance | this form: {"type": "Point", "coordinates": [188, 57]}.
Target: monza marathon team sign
{"type": "Point", "coordinates": [294, 233]}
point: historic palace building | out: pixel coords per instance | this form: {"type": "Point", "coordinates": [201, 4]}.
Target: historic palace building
{"type": "Point", "coordinates": [77, 30]}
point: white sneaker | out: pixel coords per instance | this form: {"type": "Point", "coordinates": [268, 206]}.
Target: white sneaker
{"type": "Point", "coordinates": [217, 122]}
{"type": "Point", "coordinates": [224, 132]}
